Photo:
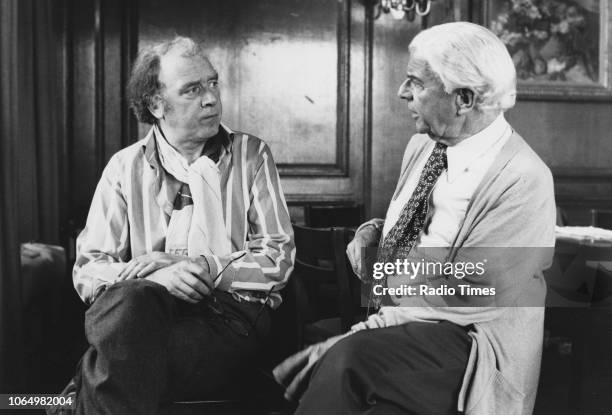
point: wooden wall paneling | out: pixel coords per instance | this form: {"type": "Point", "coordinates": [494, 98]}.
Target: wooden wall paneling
{"type": "Point", "coordinates": [288, 75]}
{"type": "Point", "coordinates": [368, 57]}
{"type": "Point", "coordinates": [392, 127]}
{"type": "Point", "coordinates": [566, 134]}
{"type": "Point", "coordinates": [277, 61]}
{"type": "Point", "coordinates": [578, 190]}
{"type": "Point", "coordinates": [347, 144]}
{"type": "Point", "coordinates": [339, 164]}
{"type": "Point", "coordinates": [359, 102]}
{"type": "Point", "coordinates": [354, 53]}
{"type": "Point", "coordinates": [573, 139]}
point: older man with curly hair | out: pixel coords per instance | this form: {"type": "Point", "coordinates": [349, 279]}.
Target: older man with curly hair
{"type": "Point", "coordinates": [186, 247]}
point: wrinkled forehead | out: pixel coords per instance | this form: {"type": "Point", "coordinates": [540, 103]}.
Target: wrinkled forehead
{"type": "Point", "coordinates": [176, 67]}
{"type": "Point", "coordinates": [418, 67]}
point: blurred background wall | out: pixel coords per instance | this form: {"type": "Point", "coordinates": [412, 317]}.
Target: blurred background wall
{"type": "Point", "coordinates": [316, 79]}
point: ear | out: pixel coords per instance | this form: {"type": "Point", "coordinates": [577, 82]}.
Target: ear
{"type": "Point", "coordinates": [465, 100]}
{"type": "Point", "coordinates": [156, 107]}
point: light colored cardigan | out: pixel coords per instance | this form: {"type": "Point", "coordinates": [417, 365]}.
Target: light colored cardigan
{"type": "Point", "coordinates": [513, 206]}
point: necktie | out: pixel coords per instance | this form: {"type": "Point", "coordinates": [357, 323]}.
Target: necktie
{"type": "Point", "coordinates": [403, 235]}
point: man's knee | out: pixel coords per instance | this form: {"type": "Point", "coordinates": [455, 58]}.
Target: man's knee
{"type": "Point", "coordinates": [348, 354]}
{"type": "Point", "coordinates": [130, 301]}
{"type": "Point", "coordinates": [138, 290]}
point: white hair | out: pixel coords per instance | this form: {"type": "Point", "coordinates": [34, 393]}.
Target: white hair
{"type": "Point", "coordinates": [466, 55]}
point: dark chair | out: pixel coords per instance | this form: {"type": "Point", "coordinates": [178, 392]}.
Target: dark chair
{"type": "Point", "coordinates": [568, 295]}
{"type": "Point", "coordinates": [322, 283]}
{"type": "Point", "coordinates": [577, 322]}
{"type": "Point", "coordinates": [43, 271]}
{"type": "Point", "coordinates": [601, 218]}
{"type": "Point", "coordinates": [324, 216]}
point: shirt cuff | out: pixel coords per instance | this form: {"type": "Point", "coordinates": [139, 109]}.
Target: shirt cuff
{"type": "Point", "coordinates": [376, 223]}
{"type": "Point", "coordinates": [374, 321]}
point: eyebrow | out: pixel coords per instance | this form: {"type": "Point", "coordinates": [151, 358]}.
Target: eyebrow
{"type": "Point", "coordinates": [188, 85]}
{"type": "Point", "coordinates": [414, 78]}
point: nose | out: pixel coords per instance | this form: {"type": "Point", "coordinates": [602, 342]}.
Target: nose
{"type": "Point", "coordinates": [209, 98]}
{"type": "Point", "coordinates": [404, 91]}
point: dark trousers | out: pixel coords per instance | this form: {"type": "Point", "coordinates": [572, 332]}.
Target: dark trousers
{"type": "Point", "coordinates": [147, 347]}
{"type": "Point", "coordinates": [415, 368]}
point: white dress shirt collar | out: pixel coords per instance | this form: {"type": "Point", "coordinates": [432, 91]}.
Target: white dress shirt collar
{"type": "Point", "coordinates": [463, 154]}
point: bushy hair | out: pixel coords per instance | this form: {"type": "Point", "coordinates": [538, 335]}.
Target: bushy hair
{"type": "Point", "coordinates": [144, 81]}
{"type": "Point", "coordinates": [466, 55]}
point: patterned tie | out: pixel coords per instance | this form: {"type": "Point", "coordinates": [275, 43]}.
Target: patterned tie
{"type": "Point", "coordinates": [404, 234]}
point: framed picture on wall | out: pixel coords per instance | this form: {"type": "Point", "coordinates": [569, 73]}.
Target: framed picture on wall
{"type": "Point", "coordinates": [561, 48]}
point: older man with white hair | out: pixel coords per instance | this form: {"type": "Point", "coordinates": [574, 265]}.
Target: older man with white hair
{"type": "Point", "coordinates": [467, 180]}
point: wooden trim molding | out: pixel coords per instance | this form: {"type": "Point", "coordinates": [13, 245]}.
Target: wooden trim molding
{"type": "Point", "coordinates": [584, 188]}
{"type": "Point", "coordinates": [298, 199]}
{"type": "Point", "coordinates": [340, 168]}
{"type": "Point", "coordinates": [573, 174]}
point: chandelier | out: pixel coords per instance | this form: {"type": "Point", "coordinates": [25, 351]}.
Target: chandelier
{"type": "Point", "coordinates": [408, 9]}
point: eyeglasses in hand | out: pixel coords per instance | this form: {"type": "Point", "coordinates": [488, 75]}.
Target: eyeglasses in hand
{"type": "Point", "coordinates": [237, 326]}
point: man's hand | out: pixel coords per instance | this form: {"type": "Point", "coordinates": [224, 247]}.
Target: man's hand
{"type": "Point", "coordinates": [294, 372]}
{"type": "Point", "coordinates": [144, 265]}
{"type": "Point", "coordinates": [188, 279]}
{"type": "Point", "coordinates": [365, 238]}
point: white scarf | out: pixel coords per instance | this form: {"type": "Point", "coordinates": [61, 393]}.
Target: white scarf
{"type": "Point", "coordinates": [199, 228]}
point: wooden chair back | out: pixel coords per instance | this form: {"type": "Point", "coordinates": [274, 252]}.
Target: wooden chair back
{"type": "Point", "coordinates": [321, 279]}
{"type": "Point", "coordinates": [322, 216]}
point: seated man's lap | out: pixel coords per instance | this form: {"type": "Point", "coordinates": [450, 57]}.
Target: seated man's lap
{"type": "Point", "coordinates": [126, 308]}
{"type": "Point", "coordinates": [207, 353]}
{"type": "Point", "coordinates": [415, 367]}
{"type": "Point", "coordinates": [205, 350]}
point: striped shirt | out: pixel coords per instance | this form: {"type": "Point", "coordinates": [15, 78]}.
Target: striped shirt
{"type": "Point", "coordinates": [134, 199]}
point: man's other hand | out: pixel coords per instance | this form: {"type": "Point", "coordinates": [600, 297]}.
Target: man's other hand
{"type": "Point", "coordinates": [188, 279]}
{"type": "Point", "coordinates": [144, 265]}
{"type": "Point", "coordinates": [367, 237]}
